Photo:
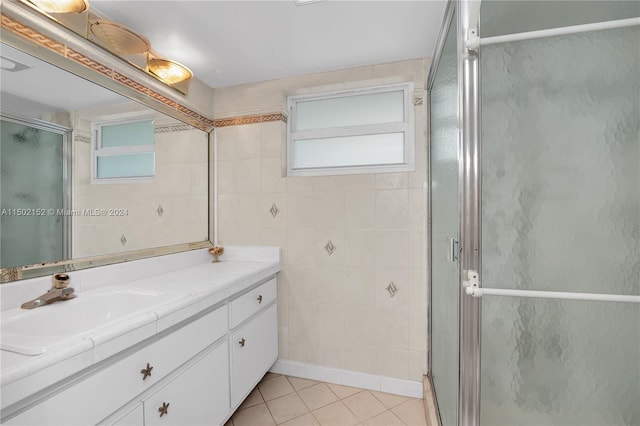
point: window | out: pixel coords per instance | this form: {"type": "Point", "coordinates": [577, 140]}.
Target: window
{"type": "Point", "coordinates": [358, 131]}
{"type": "Point", "coordinates": [123, 151]}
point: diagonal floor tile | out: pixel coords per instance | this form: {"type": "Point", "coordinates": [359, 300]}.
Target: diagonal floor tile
{"type": "Point", "coordinates": [275, 388]}
{"type": "Point", "coordinates": [343, 391]}
{"type": "Point", "coordinates": [390, 400]}
{"type": "Point", "coordinates": [385, 419]}
{"type": "Point", "coordinates": [317, 396]}
{"type": "Point", "coordinates": [306, 420]}
{"type": "Point", "coordinates": [258, 415]}
{"type": "Point", "coordinates": [364, 405]}
{"type": "Point", "coordinates": [286, 408]}
{"type": "Point", "coordinates": [299, 383]}
{"type": "Point", "coordinates": [336, 414]}
{"type": "Point", "coordinates": [411, 412]}
{"type": "Point", "coordinates": [254, 398]}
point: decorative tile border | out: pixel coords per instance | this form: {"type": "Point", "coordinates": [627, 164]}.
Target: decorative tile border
{"type": "Point", "coordinates": [55, 46]}
{"type": "Point", "coordinates": [249, 119]}
{"type": "Point", "coordinates": [172, 128]}
{"type": "Point", "coordinates": [82, 138]}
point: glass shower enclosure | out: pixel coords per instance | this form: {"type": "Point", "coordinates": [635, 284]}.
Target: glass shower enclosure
{"type": "Point", "coordinates": [35, 188]}
{"type": "Point", "coordinates": [535, 157]}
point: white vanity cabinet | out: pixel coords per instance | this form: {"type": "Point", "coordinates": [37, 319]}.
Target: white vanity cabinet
{"type": "Point", "coordinates": [200, 371]}
{"type": "Point", "coordinates": [198, 396]}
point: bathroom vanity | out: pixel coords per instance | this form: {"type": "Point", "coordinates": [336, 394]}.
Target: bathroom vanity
{"type": "Point", "coordinates": [205, 339]}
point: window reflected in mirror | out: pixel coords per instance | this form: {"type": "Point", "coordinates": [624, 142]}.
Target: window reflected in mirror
{"type": "Point", "coordinates": [88, 172]}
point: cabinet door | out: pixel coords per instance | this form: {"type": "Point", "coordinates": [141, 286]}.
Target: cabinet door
{"type": "Point", "coordinates": [198, 396]}
{"type": "Point", "coordinates": [134, 417]}
{"type": "Point", "coordinates": [254, 349]}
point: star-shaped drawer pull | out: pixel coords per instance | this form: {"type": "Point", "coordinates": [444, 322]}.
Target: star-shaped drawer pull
{"type": "Point", "coordinates": [146, 372]}
{"type": "Point", "coordinates": [164, 409]}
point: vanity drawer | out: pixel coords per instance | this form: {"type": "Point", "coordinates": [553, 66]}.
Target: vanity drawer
{"type": "Point", "coordinates": [117, 384]}
{"type": "Point", "coordinates": [251, 302]}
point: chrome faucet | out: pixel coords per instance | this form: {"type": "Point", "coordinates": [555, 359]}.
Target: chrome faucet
{"type": "Point", "coordinates": [58, 291]}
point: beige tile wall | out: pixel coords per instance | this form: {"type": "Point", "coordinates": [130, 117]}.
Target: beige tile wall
{"type": "Point", "coordinates": [334, 310]}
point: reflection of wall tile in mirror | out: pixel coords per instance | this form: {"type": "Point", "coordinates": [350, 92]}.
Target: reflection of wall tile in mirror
{"type": "Point", "coordinates": [180, 186]}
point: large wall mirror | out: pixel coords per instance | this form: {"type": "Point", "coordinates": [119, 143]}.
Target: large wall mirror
{"type": "Point", "coordinates": [90, 177]}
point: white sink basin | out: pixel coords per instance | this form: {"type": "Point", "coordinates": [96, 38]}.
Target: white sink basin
{"type": "Point", "coordinates": [34, 331]}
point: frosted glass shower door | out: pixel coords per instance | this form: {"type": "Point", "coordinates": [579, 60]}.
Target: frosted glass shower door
{"type": "Point", "coordinates": [31, 192]}
{"type": "Point", "coordinates": [444, 227]}
{"type": "Point", "coordinates": [561, 212]}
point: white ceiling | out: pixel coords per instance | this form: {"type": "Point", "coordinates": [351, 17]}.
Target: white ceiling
{"type": "Point", "coordinates": [233, 42]}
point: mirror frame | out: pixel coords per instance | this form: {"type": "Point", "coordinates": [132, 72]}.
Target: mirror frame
{"type": "Point", "coordinates": [45, 38]}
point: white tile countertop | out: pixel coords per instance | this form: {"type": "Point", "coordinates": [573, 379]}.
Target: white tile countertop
{"type": "Point", "coordinates": [195, 282]}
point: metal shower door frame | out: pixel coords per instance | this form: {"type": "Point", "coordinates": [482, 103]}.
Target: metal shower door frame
{"type": "Point", "coordinates": [67, 159]}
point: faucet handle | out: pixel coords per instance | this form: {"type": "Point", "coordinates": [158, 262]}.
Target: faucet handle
{"type": "Point", "coordinates": [60, 280]}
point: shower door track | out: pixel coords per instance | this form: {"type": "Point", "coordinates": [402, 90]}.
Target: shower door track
{"type": "Point", "coordinates": [573, 29]}
{"type": "Point", "coordinates": [481, 291]}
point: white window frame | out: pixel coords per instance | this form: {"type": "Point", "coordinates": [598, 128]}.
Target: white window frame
{"type": "Point", "coordinates": [406, 127]}
{"type": "Point", "coordinates": [98, 151]}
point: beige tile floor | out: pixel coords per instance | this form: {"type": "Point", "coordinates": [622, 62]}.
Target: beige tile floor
{"type": "Point", "coordinates": [291, 401]}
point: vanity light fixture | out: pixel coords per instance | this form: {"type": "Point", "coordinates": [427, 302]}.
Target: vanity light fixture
{"type": "Point", "coordinates": [169, 72]}
{"type": "Point", "coordinates": [61, 6]}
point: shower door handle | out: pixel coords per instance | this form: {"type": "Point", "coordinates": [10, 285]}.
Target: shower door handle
{"type": "Point", "coordinates": [452, 249]}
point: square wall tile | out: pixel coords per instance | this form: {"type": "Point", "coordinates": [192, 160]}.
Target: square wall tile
{"type": "Point", "coordinates": [302, 350]}
{"type": "Point", "coordinates": [330, 254]}
{"type": "Point", "coordinates": [302, 282]}
{"type": "Point", "coordinates": [360, 209]}
{"type": "Point", "coordinates": [301, 210]}
{"type": "Point", "coordinates": [227, 138]}
{"type": "Point", "coordinates": [330, 353]}
{"type": "Point", "coordinates": [249, 141]}
{"type": "Point", "coordinates": [360, 287]}
{"type": "Point", "coordinates": [392, 209]}
{"type": "Point", "coordinates": [249, 176]}
{"type": "Point", "coordinates": [392, 326]}
{"type": "Point", "coordinates": [302, 322]}
{"type": "Point", "coordinates": [329, 322]}
{"type": "Point", "coordinates": [273, 210]}
{"type": "Point", "coordinates": [359, 329]}
{"type": "Point", "coordinates": [301, 246]}
{"type": "Point", "coordinates": [330, 285]}
{"type": "Point", "coordinates": [360, 358]}
{"type": "Point", "coordinates": [391, 180]}
{"type": "Point", "coordinates": [272, 137]}
{"type": "Point", "coordinates": [392, 249]}
{"type": "Point", "coordinates": [227, 177]}
{"type": "Point", "coordinates": [397, 296]}
{"type": "Point", "coordinates": [329, 209]}
{"type": "Point", "coordinates": [272, 179]}
{"type": "Point", "coordinates": [360, 248]}
{"type": "Point", "coordinates": [393, 363]}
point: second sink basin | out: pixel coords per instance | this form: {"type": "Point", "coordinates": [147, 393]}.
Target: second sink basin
{"type": "Point", "coordinates": [32, 332]}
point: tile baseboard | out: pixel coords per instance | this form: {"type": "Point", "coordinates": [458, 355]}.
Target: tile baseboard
{"type": "Point", "coordinates": [349, 378]}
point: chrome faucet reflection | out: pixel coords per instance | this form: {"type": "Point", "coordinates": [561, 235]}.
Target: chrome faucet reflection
{"type": "Point", "coordinates": [59, 291]}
